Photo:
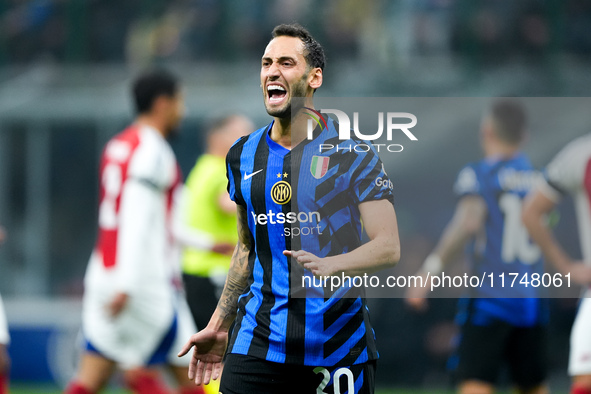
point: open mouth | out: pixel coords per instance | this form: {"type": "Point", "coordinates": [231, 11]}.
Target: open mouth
{"type": "Point", "coordinates": [276, 93]}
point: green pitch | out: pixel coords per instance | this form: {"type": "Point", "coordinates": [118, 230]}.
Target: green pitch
{"type": "Point", "coordinates": [49, 389]}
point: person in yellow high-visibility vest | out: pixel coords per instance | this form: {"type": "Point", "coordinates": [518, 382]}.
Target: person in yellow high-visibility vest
{"type": "Point", "coordinates": [207, 208]}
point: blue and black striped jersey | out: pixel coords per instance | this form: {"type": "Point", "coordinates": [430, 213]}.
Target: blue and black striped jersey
{"type": "Point", "coordinates": [504, 249]}
{"type": "Point", "coordinates": [303, 199]}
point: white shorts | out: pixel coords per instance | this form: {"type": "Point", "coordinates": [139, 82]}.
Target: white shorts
{"type": "Point", "coordinates": [147, 332]}
{"type": "Point", "coordinates": [4, 336]}
{"type": "Point", "coordinates": [580, 340]}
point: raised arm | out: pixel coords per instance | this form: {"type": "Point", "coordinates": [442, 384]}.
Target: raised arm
{"type": "Point", "coordinates": [210, 343]}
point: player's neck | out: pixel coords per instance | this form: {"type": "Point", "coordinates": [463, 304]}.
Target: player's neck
{"type": "Point", "coordinates": [150, 121]}
{"type": "Point", "coordinates": [289, 132]}
{"type": "Point", "coordinates": [500, 150]}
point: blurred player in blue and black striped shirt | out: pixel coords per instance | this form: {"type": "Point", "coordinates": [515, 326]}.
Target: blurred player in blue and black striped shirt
{"type": "Point", "coordinates": [503, 320]}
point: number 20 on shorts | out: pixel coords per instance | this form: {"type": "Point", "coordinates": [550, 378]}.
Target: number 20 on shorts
{"type": "Point", "coordinates": [336, 379]}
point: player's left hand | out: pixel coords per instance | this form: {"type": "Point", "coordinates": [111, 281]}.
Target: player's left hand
{"type": "Point", "coordinates": [317, 265]}
{"type": "Point", "coordinates": [208, 347]}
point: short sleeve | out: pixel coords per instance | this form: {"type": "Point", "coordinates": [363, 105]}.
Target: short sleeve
{"type": "Point", "coordinates": [233, 175]}
{"type": "Point", "coordinates": [150, 165]}
{"type": "Point", "coordinates": [565, 173]}
{"type": "Point", "coordinates": [233, 163]}
{"type": "Point", "coordinates": [370, 181]}
{"type": "Point", "coordinates": [231, 186]}
{"type": "Point", "coordinates": [467, 182]}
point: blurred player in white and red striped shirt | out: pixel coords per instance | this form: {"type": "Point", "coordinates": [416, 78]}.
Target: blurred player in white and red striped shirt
{"type": "Point", "coordinates": [133, 312]}
{"type": "Point", "coordinates": [569, 173]}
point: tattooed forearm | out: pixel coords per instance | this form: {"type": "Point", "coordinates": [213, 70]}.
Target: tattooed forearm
{"type": "Point", "coordinates": [235, 282]}
{"type": "Point", "coordinates": [239, 272]}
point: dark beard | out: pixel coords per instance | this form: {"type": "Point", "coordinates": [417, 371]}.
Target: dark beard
{"type": "Point", "coordinates": [281, 113]}
{"type": "Point", "coordinates": [299, 90]}
{"type": "Point", "coordinates": [173, 133]}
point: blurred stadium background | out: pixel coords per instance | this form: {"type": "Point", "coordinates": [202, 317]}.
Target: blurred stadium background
{"type": "Point", "coordinates": [65, 68]}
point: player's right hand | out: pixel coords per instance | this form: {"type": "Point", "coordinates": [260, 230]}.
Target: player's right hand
{"type": "Point", "coordinates": [417, 304]}
{"type": "Point", "coordinates": [416, 298]}
{"type": "Point", "coordinates": [206, 362]}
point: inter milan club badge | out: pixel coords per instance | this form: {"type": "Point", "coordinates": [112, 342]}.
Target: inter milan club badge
{"type": "Point", "coordinates": [281, 192]}
{"type": "Point", "coordinates": [319, 166]}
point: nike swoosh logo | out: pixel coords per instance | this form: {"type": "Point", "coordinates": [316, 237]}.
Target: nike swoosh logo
{"type": "Point", "coordinates": [251, 175]}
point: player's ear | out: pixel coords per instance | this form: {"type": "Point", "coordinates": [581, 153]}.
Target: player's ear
{"type": "Point", "coordinates": [164, 104]}
{"type": "Point", "coordinates": [160, 103]}
{"type": "Point", "coordinates": [315, 78]}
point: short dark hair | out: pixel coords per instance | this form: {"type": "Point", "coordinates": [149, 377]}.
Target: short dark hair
{"type": "Point", "coordinates": [150, 85]}
{"type": "Point", "coordinates": [510, 120]}
{"type": "Point", "coordinates": [314, 53]}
